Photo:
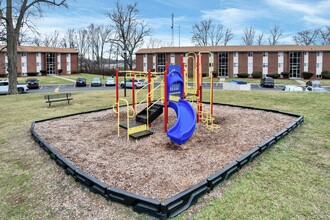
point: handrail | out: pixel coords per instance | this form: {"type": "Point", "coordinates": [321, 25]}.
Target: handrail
{"type": "Point", "coordinates": [128, 116]}
{"type": "Point", "coordinates": [144, 100]}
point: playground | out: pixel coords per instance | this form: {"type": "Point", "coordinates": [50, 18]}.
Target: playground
{"type": "Point", "coordinates": [162, 142]}
{"type": "Point", "coordinates": [154, 166]}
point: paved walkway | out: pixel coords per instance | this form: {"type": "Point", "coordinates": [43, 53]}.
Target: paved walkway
{"type": "Point", "coordinates": [71, 80]}
{"type": "Point", "coordinates": [302, 83]}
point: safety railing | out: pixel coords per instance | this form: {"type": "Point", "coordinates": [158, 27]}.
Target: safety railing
{"type": "Point", "coordinates": [128, 116]}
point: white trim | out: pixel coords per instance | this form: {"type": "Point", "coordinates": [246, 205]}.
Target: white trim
{"type": "Point", "coordinates": [319, 63]}
{"type": "Point", "coordinates": [280, 61]}
{"type": "Point", "coordinates": [68, 63]}
{"type": "Point", "coordinates": [265, 63]}
{"type": "Point", "coordinates": [235, 63]}
{"type": "Point", "coordinates": [145, 62]}
{"type": "Point", "coordinates": [306, 57]}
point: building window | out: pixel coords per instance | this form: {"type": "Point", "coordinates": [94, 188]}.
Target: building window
{"type": "Point", "coordinates": [161, 62]}
{"type": "Point", "coordinates": [318, 65]}
{"type": "Point", "coordinates": [280, 65]}
{"type": "Point", "coordinates": [172, 55]}
{"type": "Point", "coordinates": [265, 54]}
{"type": "Point", "coordinates": [250, 54]}
{"type": "Point", "coordinates": [67, 55]}
{"type": "Point", "coordinates": [145, 55]}
{"type": "Point", "coordinates": [23, 54]}
{"type": "Point", "coordinates": [305, 64]}
{"type": "Point", "coordinates": [280, 54]}
{"type": "Point", "coordinates": [318, 54]}
{"type": "Point", "coordinates": [23, 64]}
{"type": "Point", "coordinates": [38, 63]}
{"type": "Point", "coordinates": [305, 53]}
{"type": "Point", "coordinates": [223, 64]}
{"type": "Point", "coordinates": [250, 64]}
{"type": "Point", "coordinates": [265, 65]}
{"type": "Point", "coordinates": [235, 54]}
{"type": "Point", "coordinates": [67, 64]}
{"type": "Point", "coordinates": [235, 64]}
{"type": "Point", "coordinates": [294, 64]}
{"type": "Point", "coordinates": [144, 64]}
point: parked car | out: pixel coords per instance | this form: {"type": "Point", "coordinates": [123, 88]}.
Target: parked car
{"type": "Point", "coordinates": [4, 85]}
{"type": "Point", "coordinates": [81, 82]}
{"type": "Point", "coordinates": [290, 88]}
{"type": "Point", "coordinates": [315, 89]}
{"type": "Point", "coordinates": [110, 82]}
{"type": "Point", "coordinates": [267, 82]}
{"type": "Point", "coordinates": [313, 83]}
{"type": "Point", "coordinates": [32, 83]}
{"type": "Point", "coordinates": [96, 82]}
{"type": "Point", "coordinates": [138, 83]}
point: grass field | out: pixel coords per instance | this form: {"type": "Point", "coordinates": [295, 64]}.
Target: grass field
{"type": "Point", "coordinates": [289, 181]}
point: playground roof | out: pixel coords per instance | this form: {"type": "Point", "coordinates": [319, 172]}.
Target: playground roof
{"type": "Point", "coordinates": [263, 48]}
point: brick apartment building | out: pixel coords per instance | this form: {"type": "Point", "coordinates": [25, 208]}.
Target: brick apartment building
{"type": "Point", "coordinates": [228, 61]}
{"type": "Point", "coordinates": [34, 59]}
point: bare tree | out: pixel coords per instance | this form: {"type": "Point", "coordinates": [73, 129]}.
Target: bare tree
{"type": "Point", "coordinates": [260, 39]}
{"type": "Point", "coordinates": [200, 32]}
{"type": "Point", "coordinates": [99, 35]}
{"type": "Point", "coordinates": [216, 34]}
{"type": "Point", "coordinates": [154, 43]}
{"type": "Point", "coordinates": [70, 38]}
{"type": "Point", "coordinates": [228, 36]}
{"type": "Point", "coordinates": [15, 14]}
{"type": "Point", "coordinates": [276, 33]}
{"type": "Point", "coordinates": [53, 40]}
{"type": "Point", "coordinates": [248, 36]}
{"type": "Point", "coordinates": [325, 36]}
{"type": "Point", "coordinates": [81, 39]}
{"type": "Point", "coordinates": [207, 33]}
{"type": "Point", "coordinates": [306, 37]}
{"type": "Point", "coordinates": [129, 30]}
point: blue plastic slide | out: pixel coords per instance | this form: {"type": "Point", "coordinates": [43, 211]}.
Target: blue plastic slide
{"type": "Point", "coordinates": [185, 124]}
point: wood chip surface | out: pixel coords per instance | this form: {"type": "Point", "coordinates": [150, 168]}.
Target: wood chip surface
{"type": "Point", "coordinates": [155, 167]}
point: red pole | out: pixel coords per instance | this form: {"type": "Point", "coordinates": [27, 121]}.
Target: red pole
{"type": "Point", "coordinates": [200, 86]}
{"type": "Point", "coordinates": [182, 73]}
{"type": "Point", "coordinates": [117, 92]}
{"type": "Point", "coordinates": [197, 86]}
{"type": "Point", "coordinates": [165, 100]}
{"type": "Point", "coordinates": [133, 93]}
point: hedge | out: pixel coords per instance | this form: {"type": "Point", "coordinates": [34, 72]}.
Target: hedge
{"type": "Point", "coordinates": [242, 75]}
{"type": "Point", "coordinates": [274, 75]}
{"type": "Point", "coordinates": [32, 73]}
{"type": "Point", "coordinates": [285, 74]}
{"type": "Point", "coordinates": [326, 74]}
{"type": "Point", "coordinates": [257, 74]}
{"type": "Point", "coordinates": [307, 75]}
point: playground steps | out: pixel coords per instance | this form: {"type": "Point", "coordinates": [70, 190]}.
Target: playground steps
{"type": "Point", "coordinates": [141, 134]}
{"type": "Point", "coordinates": [155, 111]}
{"type": "Point", "coordinates": [136, 129]}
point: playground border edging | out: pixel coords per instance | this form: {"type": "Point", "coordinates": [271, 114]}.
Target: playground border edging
{"type": "Point", "coordinates": [182, 201]}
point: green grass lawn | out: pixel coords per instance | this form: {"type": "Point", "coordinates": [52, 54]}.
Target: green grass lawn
{"type": "Point", "coordinates": [289, 181]}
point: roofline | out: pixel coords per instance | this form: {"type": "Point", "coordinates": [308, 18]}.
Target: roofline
{"type": "Point", "coordinates": [37, 49]}
{"type": "Point", "coordinates": [261, 48]}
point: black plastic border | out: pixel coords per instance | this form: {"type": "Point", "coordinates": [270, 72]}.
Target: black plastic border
{"type": "Point", "coordinates": [178, 203]}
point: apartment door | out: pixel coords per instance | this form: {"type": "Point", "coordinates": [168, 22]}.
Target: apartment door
{"type": "Point", "coordinates": [50, 63]}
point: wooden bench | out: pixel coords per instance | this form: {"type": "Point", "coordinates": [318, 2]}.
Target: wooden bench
{"type": "Point", "coordinates": [58, 98]}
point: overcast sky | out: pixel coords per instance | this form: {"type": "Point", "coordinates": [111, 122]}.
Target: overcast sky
{"type": "Point", "coordinates": [291, 15]}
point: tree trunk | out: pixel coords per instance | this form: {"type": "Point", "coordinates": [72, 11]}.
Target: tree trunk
{"type": "Point", "coordinates": [12, 62]}
{"type": "Point", "coordinates": [12, 39]}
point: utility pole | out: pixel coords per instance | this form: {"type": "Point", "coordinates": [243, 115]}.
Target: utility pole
{"type": "Point", "coordinates": [172, 27]}
{"type": "Point", "coordinates": [179, 35]}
